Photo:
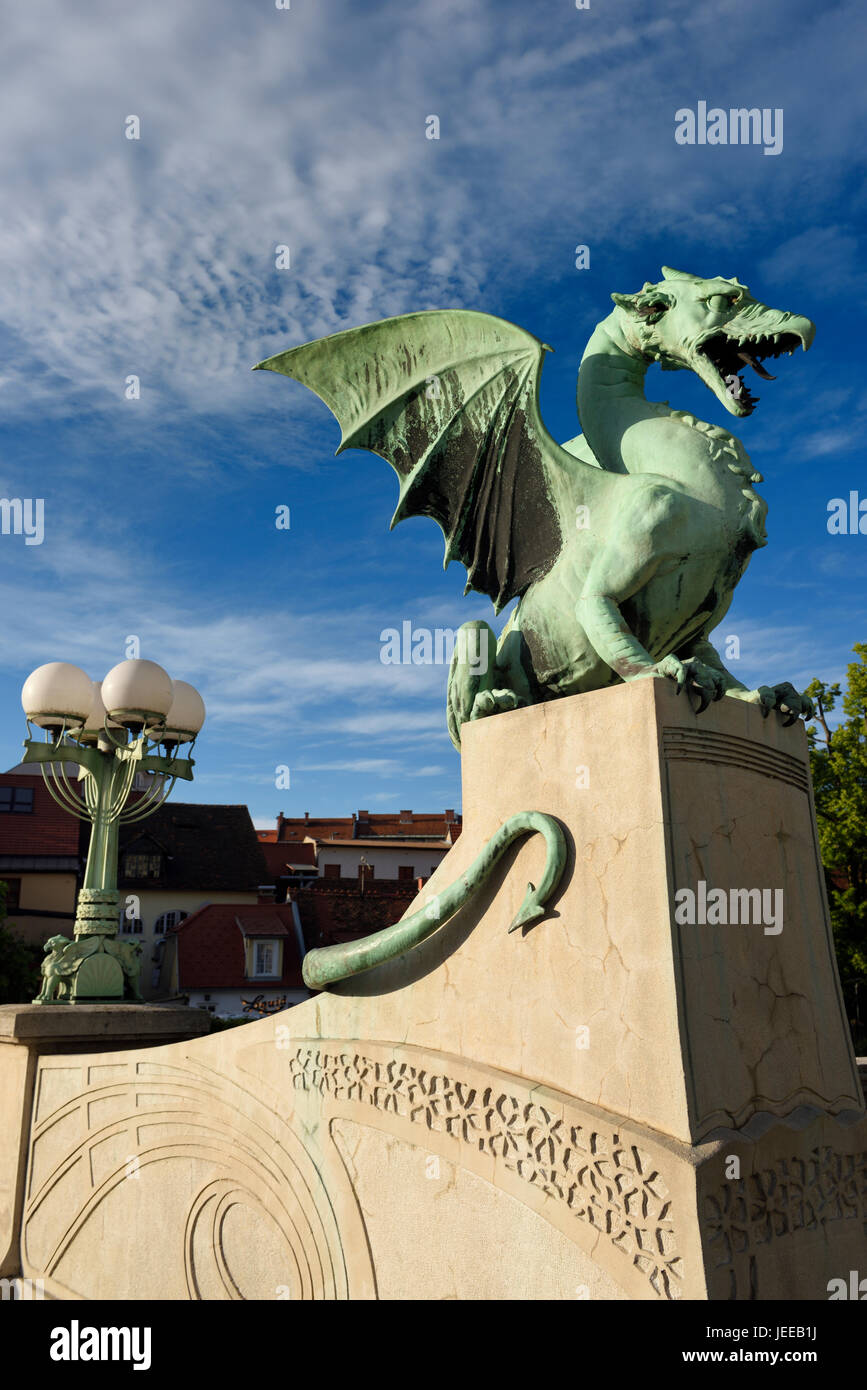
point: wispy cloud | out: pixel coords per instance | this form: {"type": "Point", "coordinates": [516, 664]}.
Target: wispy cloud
{"type": "Point", "coordinates": [156, 256]}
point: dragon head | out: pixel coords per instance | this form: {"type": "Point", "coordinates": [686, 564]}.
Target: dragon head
{"type": "Point", "coordinates": [711, 327]}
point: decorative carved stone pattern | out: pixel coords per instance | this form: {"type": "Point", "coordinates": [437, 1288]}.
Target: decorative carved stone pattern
{"type": "Point", "coordinates": [610, 1184]}
{"type": "Point", "coordinates": [795, 1194]}
{"type": "Point", "coordinates": [709, 746]}
{"type": "Point", "coordinates": [258, 1223]}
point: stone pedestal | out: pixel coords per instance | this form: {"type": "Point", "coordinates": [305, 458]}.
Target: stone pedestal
{"type": "Point", "coordinates": [614, 1104]}
{"type": "Point", "coordinates": [31, 1031]}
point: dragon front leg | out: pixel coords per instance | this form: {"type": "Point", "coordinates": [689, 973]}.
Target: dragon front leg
{"type": "Point", "coordinates": [610, 636]}
{"type": "Point", "coordinates": [784, 697]}
{"type": "Point", "coordinates": [620, 570]}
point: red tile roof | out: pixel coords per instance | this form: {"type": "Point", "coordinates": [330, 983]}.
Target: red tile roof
{"type": "Point", "coordinates": [380, 842]}
{"type": "Point", "coordinates": [210, 945]}
{"type": "Point", "coordinates": [47, 829]}
{"type": "Point", "coordinates": [299, 827]}
{"type": "Point", "coordinates": [264, 924]}
{"type": "Point", "coordinates": [333, 910]}
{"type": "Point", "coordinates": [427, 825]}
{"type": "Point", "coordinates": [277, 856]}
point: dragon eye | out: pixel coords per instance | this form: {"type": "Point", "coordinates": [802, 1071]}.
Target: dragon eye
{"type": "Point", "coordinates": [720, 302]}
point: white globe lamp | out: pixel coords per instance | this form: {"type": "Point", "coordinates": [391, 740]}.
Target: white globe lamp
{"type": "Point", "coordinates": [57, 695]}
{"type": "Point", "coordinates": [137, 693]}
{"type": "Point", "coordinates": [185, 717]}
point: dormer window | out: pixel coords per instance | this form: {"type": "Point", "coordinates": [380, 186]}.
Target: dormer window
{"type": "Point", "coordinates": [142, 865]}
{"type": "Point", "coordinates": [265, 959]}
{"type": "Point", "coordinates": [263, 932]}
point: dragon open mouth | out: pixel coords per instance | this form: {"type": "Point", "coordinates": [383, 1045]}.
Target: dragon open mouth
{"type": "Point", "coordinates": [728, 356]}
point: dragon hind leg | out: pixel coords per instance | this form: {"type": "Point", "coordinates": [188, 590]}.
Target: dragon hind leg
{"type": "Point", "coordinates": [483, 681]}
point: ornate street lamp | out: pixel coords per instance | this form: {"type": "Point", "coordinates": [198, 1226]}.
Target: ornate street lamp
{"type": "Point", "coordinates": [133, 722]}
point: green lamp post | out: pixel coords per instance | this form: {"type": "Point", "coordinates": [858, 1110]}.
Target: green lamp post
{"type": "Point", "coordinates": [133, 722]}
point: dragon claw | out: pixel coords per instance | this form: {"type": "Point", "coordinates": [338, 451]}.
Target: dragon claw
{"type": "Point", "coordinates": [783, 697]}
{"type": "Point", "coordinates": [494, 702]}
{"type": "Point", "coordinates": [693, 674]}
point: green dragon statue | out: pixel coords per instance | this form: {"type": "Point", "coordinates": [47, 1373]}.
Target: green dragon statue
{"type": "Point", "coordinates": [623, 545]}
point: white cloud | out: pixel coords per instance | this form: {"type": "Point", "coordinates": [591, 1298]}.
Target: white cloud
{"type": "Point", "coordinates": [260, 127]}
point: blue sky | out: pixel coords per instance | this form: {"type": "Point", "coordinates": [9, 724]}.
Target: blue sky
{"type": "Point", "coordinates": [306, 127]}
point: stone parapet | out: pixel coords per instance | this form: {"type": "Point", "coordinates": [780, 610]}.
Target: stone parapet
{"type": "Point", "coordinates": [31, 1031]}
{"type": "Point", "coordinates": [638, 1097]}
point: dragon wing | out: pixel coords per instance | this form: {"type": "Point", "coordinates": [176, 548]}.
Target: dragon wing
{"type": "Point", "coordinates": [450, 398]}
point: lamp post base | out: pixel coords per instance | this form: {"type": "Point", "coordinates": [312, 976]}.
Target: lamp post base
{"type": "Point", "coordinates": [94, 968]}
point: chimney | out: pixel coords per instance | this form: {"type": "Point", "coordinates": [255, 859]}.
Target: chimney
{"type": "Point", "coordinates": [449, 815]}
{"type": "Point", "coordinates": [406, 817]}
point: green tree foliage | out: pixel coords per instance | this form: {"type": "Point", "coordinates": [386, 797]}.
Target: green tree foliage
{"type": "Point", "coordinates": [19, 962]}
{"type": "Point", "coordinates": [838, 761]}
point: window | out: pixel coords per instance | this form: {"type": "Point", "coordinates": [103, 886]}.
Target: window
{"type": "Point", "coordinates": [16, 799]}
{"type": "Point", "coordinates": [130, 926]}
{"type": "Point", "coordinates": [13, 893]}
{"type": "Point", "coordinates": [142, 865]}
{"type": "Point", "coordinates": [405, 871]}
{"type": "Point", "coordinates": [331, 871]}
{"type": "Point", "coordinates": [168, 920]}
{"type": "Point", "coordinates": [143, 781]}
{"type": "Point", "coordinates": [264, 958]}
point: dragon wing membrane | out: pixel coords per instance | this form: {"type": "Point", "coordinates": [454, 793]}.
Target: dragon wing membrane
{"type": "Point", "coordinates": [449, 397]}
